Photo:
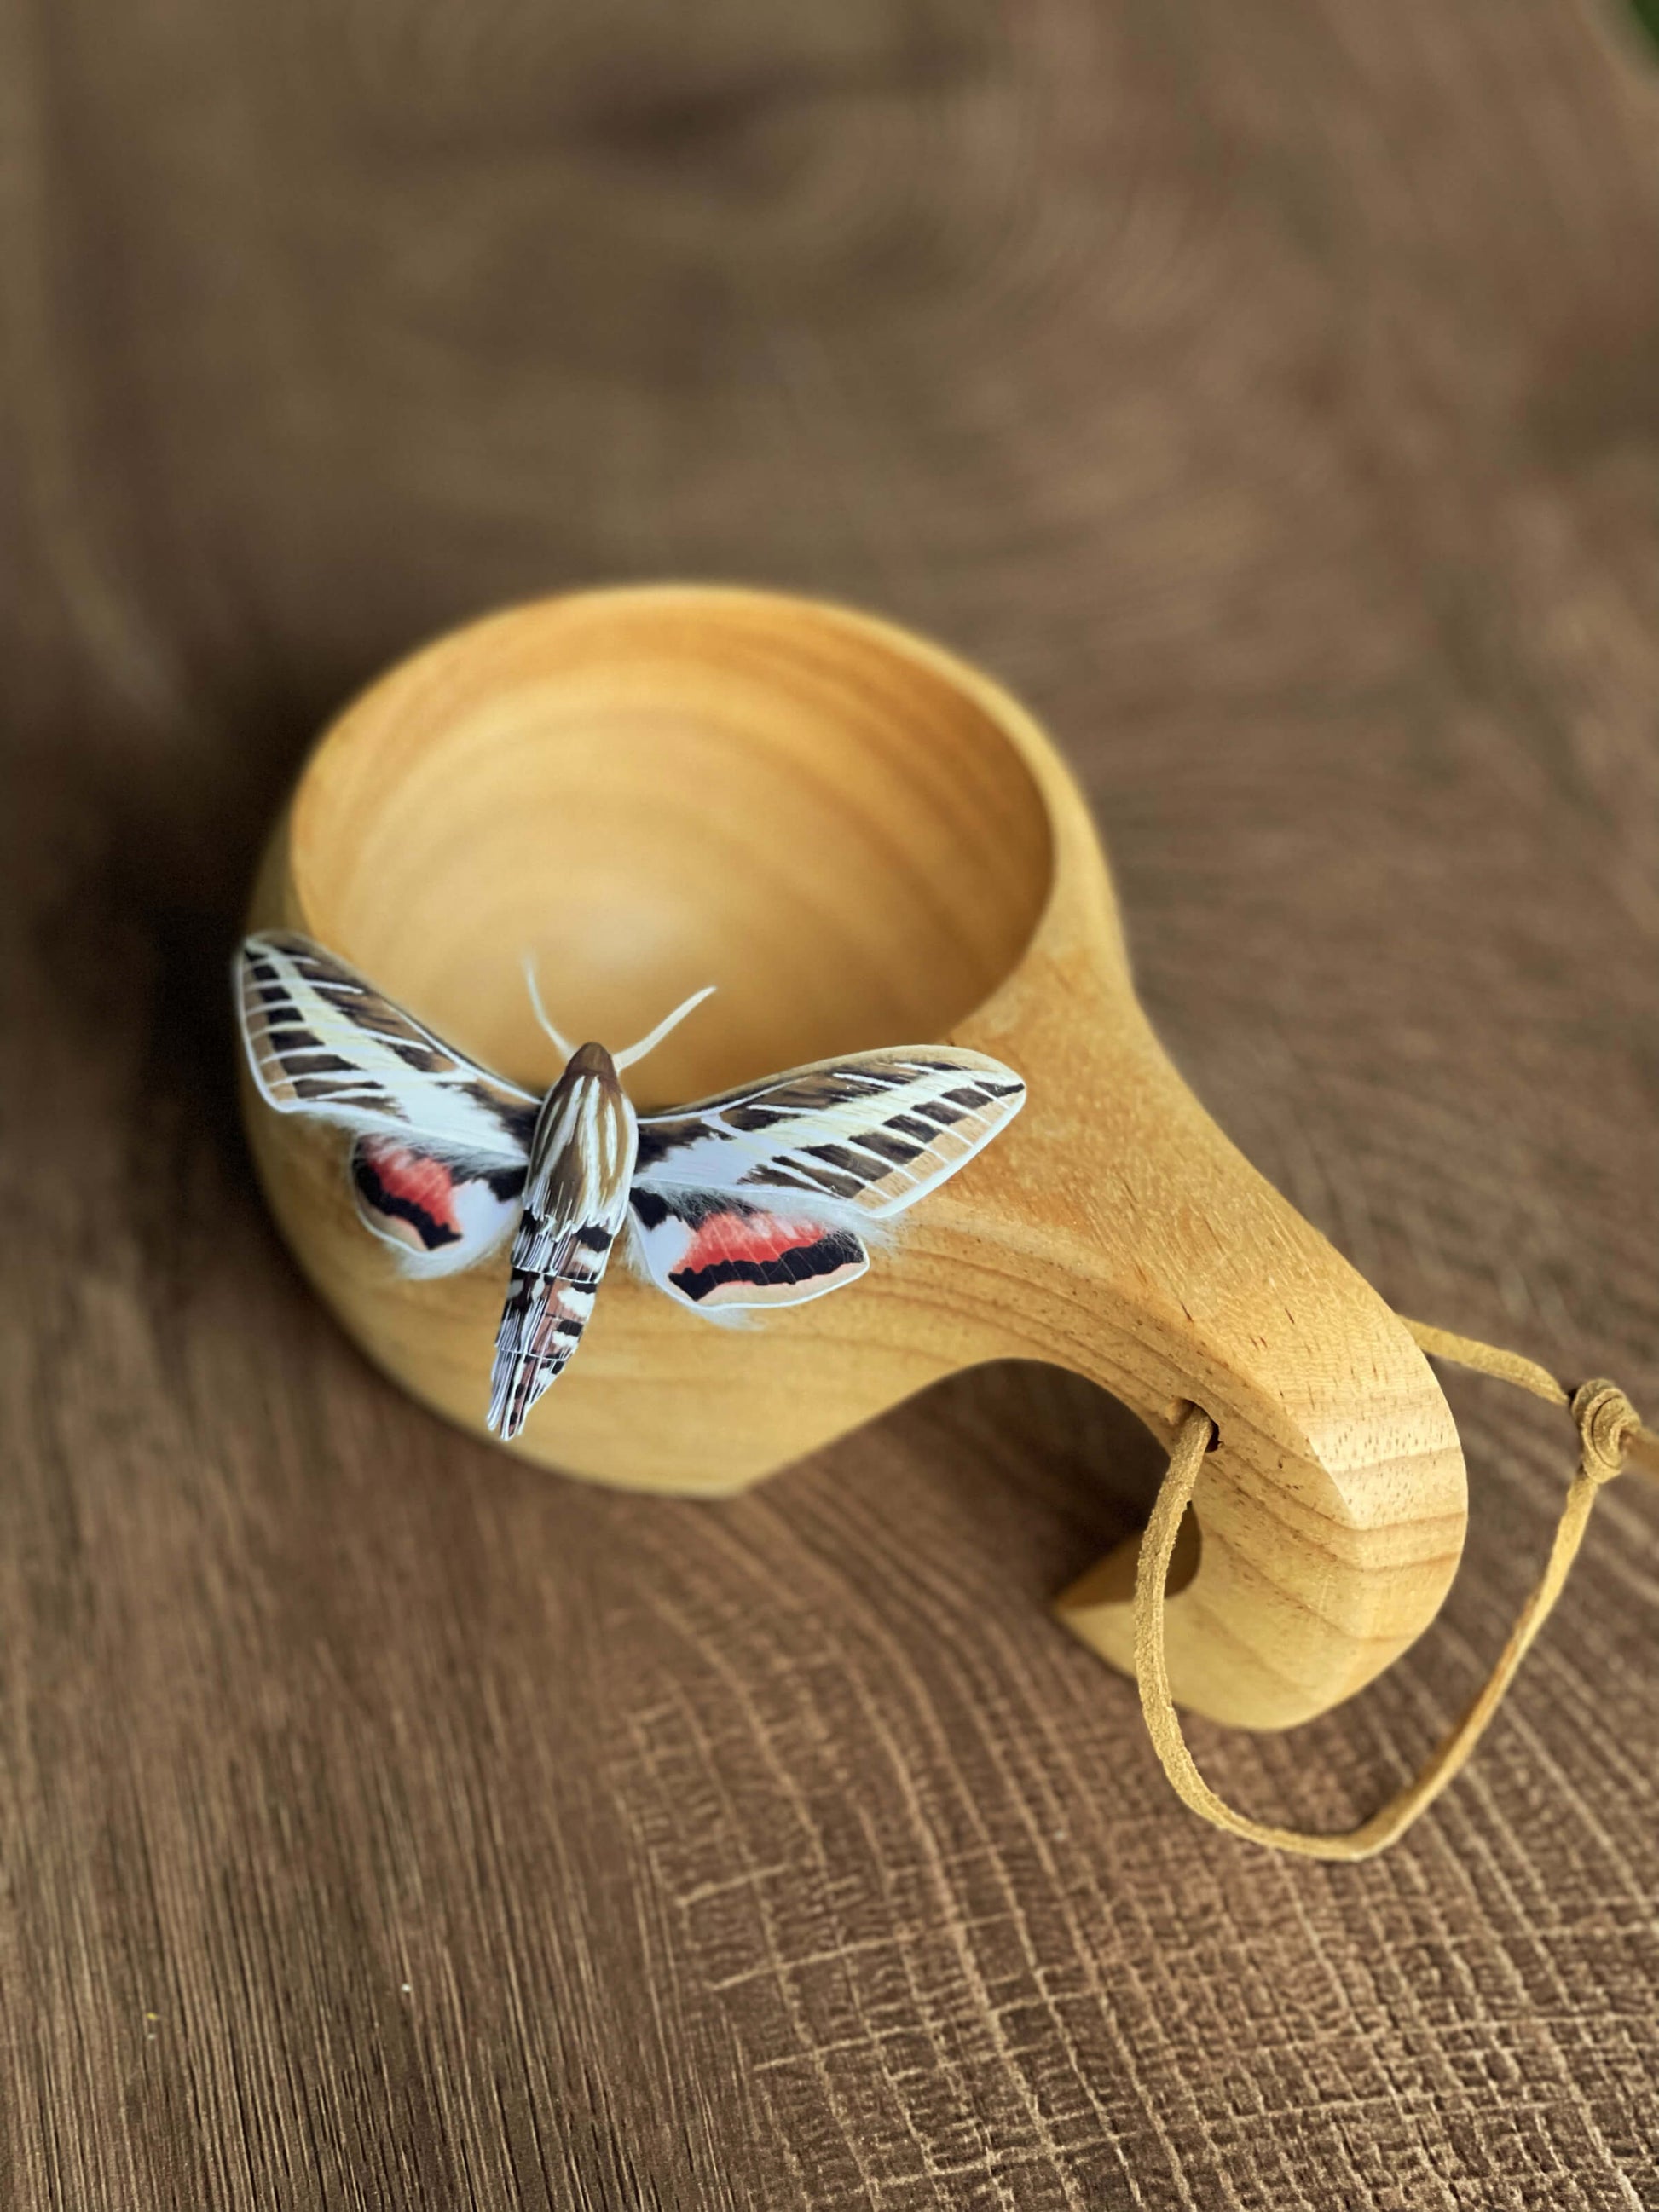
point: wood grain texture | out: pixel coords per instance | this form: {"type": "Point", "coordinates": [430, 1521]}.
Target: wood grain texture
{"type": "Point", "coordinates": [1268, 396]}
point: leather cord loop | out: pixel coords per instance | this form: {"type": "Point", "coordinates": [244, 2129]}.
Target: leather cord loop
{"type": "Point", "coordinates": [1611, 1435]}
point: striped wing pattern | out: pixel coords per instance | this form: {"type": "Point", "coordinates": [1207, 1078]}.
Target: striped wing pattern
{"type": "Point", "coordinates": [575, 1200]}
{"type": "Point", "coordinates": [321, 1039]}
{"type": "Point", "coordinates": [872, 1132]}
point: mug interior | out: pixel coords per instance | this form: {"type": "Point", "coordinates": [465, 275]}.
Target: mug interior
{"type": "Point", "coordinates": [648, 791]}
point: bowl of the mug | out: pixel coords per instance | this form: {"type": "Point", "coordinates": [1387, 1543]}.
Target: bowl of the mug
{"type": "Point", "coordinates": [645, 791]}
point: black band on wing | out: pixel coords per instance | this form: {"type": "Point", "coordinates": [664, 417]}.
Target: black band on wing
{"type": "Point", "coordinates": [427, 1204]}
{"type": "Point", "coordinates": [380, 1198]}
{"type": "Point", "coordinates": [803, 1263]}
{"type": "Point", "coordinates": [711, 1249]}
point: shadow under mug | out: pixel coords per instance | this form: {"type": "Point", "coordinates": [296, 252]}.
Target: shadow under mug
{"type": "Point", "coordinates": [863, 841]}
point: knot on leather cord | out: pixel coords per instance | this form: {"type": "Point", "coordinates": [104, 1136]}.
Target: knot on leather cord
{"type": "Point", "coordinates": [1607, 1424]}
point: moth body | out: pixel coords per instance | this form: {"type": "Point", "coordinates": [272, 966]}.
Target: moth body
{"type": "Point", "coordinates": [575, 1203]}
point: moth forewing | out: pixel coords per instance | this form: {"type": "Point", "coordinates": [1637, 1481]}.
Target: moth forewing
{"type": "Point", "coordinates": [575, 1200]}
{"type": "Point", "coordinates": [873, 1132]}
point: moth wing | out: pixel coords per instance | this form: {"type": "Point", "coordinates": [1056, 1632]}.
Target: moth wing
{"type": "Point", "coordinates": [438, 1215]}
{"type": "Point", "coordinates": [715, 1253]}
{"type": "Point", "coordinates": [576, 1201]}
{"type": "Point", "coordinates": [865, 1136]}
{"type": "Point", "coordinates": [321, 1039]}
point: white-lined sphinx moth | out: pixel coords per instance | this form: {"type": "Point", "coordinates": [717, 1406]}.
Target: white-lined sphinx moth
{"type": "Point", "coordinates": [764, 1195]}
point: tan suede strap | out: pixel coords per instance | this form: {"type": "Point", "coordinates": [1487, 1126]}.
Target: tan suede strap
{"type": "Point", "coordinates": [1610, 1435]}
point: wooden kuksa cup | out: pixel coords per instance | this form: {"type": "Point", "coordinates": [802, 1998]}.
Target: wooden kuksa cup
{"type": "Point", "coordinates": [863, 841]}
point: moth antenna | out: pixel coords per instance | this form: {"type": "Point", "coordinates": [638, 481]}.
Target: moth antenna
{"type": "Point", "coordinates": [637, 1052]}
{"type": "Point", "coordinates": [541, 1011]}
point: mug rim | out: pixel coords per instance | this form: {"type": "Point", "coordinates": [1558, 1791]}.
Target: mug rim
{"type": "Point", "coordinates": [1074, 904]}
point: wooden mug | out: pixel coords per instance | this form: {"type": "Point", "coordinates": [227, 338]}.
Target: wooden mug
{"type": "Point", "coordinates": [863, 841]}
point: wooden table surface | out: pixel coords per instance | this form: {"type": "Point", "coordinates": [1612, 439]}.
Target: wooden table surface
{"type": "Point", "coordinates": [1267, 392]}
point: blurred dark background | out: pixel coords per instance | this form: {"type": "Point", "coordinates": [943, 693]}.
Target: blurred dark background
{"type": "Point", "coordinates": [1270, 393]}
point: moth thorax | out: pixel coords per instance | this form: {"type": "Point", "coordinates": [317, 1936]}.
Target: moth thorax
{"type": "Point", "coordinates": [581, 1157]}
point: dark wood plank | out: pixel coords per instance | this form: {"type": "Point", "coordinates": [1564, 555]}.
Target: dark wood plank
{"type": "Point", "coordinates": [1269, 393]}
